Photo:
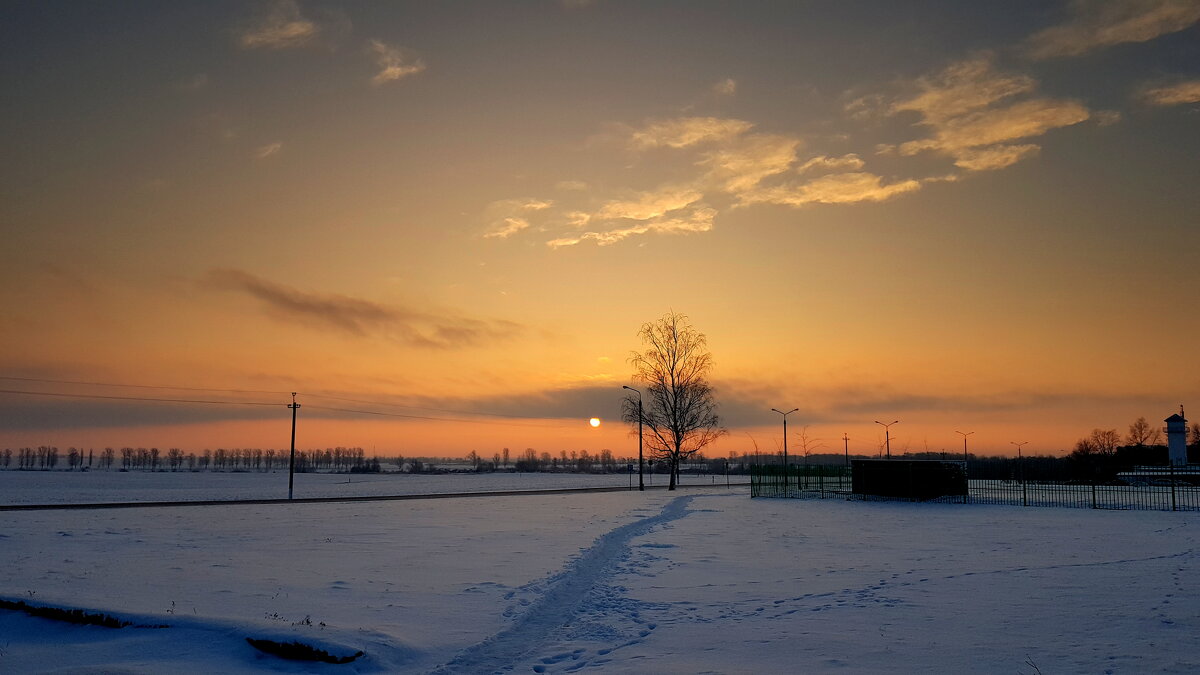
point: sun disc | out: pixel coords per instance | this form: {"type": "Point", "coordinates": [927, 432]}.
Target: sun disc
{"type": "Point", "coordinates": [595, 421]}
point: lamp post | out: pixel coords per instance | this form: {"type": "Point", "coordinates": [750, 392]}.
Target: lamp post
{"type": "Point", "coordinates": [785, 464]}
{"type": "Point", "coordinates": [964, 435]}
{"type": "Point", "coordinates": [641, 484]}
{"type": "Point", "coordinates": [1021, 472]}
{"type": "Point", "coordinates": [887, 438]}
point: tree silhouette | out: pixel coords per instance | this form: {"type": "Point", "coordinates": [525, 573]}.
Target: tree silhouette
{"type": "Point", "coordinates": [679, 410]}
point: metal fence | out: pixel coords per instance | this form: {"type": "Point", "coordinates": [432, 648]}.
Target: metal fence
{"type": "Point", "coordinates": [1141, 488]}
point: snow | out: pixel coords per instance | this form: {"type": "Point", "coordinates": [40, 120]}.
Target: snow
{"type": "Point", "coordinates": [701, 580]}
{"type": "Point", "coordinates": [101, 487]}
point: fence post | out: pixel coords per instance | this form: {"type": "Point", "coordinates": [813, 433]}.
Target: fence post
{"type": "Point", "coordinates": [1093, 493]}
{"type": "Point", "coordinates": [1172, 486]}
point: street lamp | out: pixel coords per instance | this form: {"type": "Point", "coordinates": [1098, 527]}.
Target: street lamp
{"type": "Point", "coordinates": [887, 439]}
{"type": "Point", "coordinates": [785, 414]}
{"type": "Point", "coordinates": [1021, 472]}
{"type": "Point", "coordinates": [964, 435]}
{"type": "Point", "coordinates": [641, 484]}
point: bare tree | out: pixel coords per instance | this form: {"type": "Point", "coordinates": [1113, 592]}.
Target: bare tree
{"type": "Point", "coordinates": [1099, 442]}
{"type": "Point", "coordinates": [808, 444]}
{"type": "Point", "coordinates": [679, 410]}
{"type": "Point", "coordinates": [1141, 433]}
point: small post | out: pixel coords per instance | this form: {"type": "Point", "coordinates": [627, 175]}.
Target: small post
{"type": "Point", "coordinates": [1172, 468]}
{"type": "Point", "coordinates": [292, 458]}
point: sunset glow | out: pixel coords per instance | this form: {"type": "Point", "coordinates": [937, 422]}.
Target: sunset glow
{"type": "Point", "coordinates": [442, 224]}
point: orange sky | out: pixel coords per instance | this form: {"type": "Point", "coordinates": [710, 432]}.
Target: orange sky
{"type": "Point", "coordinates": [961, 217]}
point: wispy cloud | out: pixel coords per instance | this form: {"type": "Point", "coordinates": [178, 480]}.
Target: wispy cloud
{"type": "Point", "coordinates": [509, 216]}
{"type": "Point", "coordinates": [650, 205]}
{"type": "Point", "coordinates": [193, 83]}
{"type": "Point", "coordinates": [507, 227]}
{"type": "Point", "coordinates": [824, 164]}
{"type": "Point", "coordinates": [1095, 24]}
{"type": "Point", "coordinates": [394, 63]}
{"type": "Point", "coordinates": [729, 161]}
{"type": "Point", "coordinates": [1173, 94]}
{"type": "Point", "coordinates": [967, 108]}
{"type": "Point", "coordinates": [697, 218]}
{"type": "Point", "coordinates": [837, 188]}
{"type": "Point", "coordinates": [725, 87]}
{"type": "Point", "coordinates": [742, 163]}
{"type": "Point", "coordinates": [682, 132]}
{"type": "Point", "coordinates": [358, 317]}
{"type": "Point", "coordinates": [268, 150]}
{"type": "Point", "coordinates": [281, 26]}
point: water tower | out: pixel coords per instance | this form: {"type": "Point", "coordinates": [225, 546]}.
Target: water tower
{"type": "Point", "coordinates": [1177, 438]}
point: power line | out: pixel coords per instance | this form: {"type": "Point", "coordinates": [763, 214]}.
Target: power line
{"type": "Point", "coordinates": [416, 407]}
{"type": "Point", "coordinates": [135, 398]}
{"type": "Point", "coordinates": [259, 403]}
{"type": "Point", "coordinates": [139, 386]}
{"type": "Point", "coordinates": [422, 417]}
{"type": "Point", "coordinates": [251, 391]}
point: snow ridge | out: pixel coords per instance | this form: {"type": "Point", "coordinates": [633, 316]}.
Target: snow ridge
{"type": "Point", "coordinates": [561, 601]}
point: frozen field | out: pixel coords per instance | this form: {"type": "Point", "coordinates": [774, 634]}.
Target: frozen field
{"type": "Point", "coordinates": [76, 487]}
{"type": "Point", "coordinates": [656, 582]}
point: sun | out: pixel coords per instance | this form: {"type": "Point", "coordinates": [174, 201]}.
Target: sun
{"type": "Point", "coordinates": [595, 421]}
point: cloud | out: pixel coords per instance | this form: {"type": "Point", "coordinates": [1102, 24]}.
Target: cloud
{"type": "Point", "coordinates": [725, 87]}
{"type": "Point", "coordinates": [694, 219]}
{"type": "Point", "coordinates": [282, 26]}
{"type": "Point", "coordinates": [752, 168]}
{"type": "Point", "coordinates": [683, 132]}
{"type": "Point", "coordinates": [837, 188]}
{"type": "Point", "coordinates": [508, 227]}
{"type": "Point", "coordinates": [360, 318]}
{"type": "Point", "coordinates": [823, 164]}
{"type": "Point", "coordinates": [649, 205]}
{"type": "Point", "coordinates": [967, 107]}
{"type": "Point", "coordinates": [570, 185]}
{"type": "Point", "coordinates": [509, 216]}
{"type": "Point", "coordinates": [193, 83]}
{"type": "Point", "coordinates": [1096, 24]}
{"type": "Point", "coordinates": [1174, 94]}
{"type": "Point", "coordinates": [394, 63]}
{"type": "Point", "coordinates": [961, 88]}
{"type": "Point", "coordinates": [268, 150]}
{"type": "Point", "coordinates": [987, 127]}
{"type": "Point", "coordinates": [745, 162]}
{"type": "Point", "coordinates": [993, 157]}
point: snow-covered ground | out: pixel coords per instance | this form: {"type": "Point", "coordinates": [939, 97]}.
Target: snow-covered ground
{"type": "Point", "coordinates": [656, 582]}
{"type": "Point", "coordinates": [82, 487]}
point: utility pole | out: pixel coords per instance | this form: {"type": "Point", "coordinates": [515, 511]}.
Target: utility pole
{"type": "Point", "coordinates": [846, 444]}
{"type": "Point", "coordinates": [292, 459]}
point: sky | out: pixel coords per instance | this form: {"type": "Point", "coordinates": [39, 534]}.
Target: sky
{"type": "Point", "coordinates": [443, 223]}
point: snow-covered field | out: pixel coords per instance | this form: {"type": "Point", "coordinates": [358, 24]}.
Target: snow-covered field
{"type": "Point", "coordinates": [656, 582]}
{"type": "Point", "coordinates": [102, 487]}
